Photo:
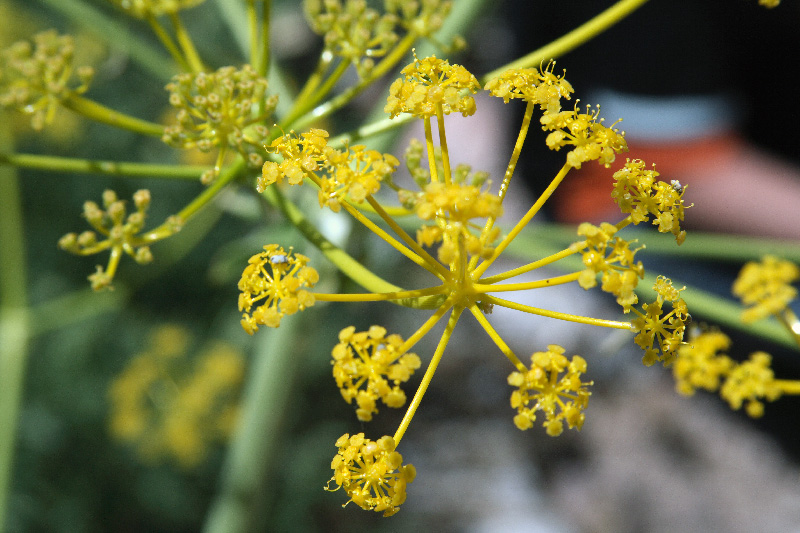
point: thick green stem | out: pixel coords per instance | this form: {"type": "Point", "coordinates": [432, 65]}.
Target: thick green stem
{"type": "Point", "coordinates": [185, 41]}
{"type": "Point", "coordinates": [14, 321]}
{"type": "Point", "coordinates": [94, 111]}
{"type": "Point", "coordinates": [97, 167]}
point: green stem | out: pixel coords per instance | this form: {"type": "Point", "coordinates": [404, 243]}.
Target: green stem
{"type": "Point", "coordinates": [185, 41]}
{"type": "Point", "coordinates": [94, 111]}
{"type": "Point", "coordinates": [264, 57]}
{"type": "Point", "coordinates": [255, 443]}
{"type": "Point", "coordinates": [14, 320]}
{"type": "Point", "coordinates": [573, 39]}
{"type": "Point", "coordinates": [167, 42]}
{"type": "Point", "coordinates": [98, 167]}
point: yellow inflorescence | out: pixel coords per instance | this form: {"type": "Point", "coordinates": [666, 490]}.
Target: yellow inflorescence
{"type": "Point", "coordinates": [172, 408]}
{"type": "Point", "coordinates": [532, 85]}
{"type": "Point", "coordinates": [372, 473]}
{"type": "Point", "coordinates": [637, 192]}
{"type": "Point", "coordinates": [364, 364]}
{"type": "Point", "coordinates": [765, 287]}
{"type": "Point", "coordinates": [452, 206]}
{"type": "Point", "coordinates": [660, 333]}
{"type": "Point", "coordinates": [352, 173]}
{"type": "Point", "coordinates": [276, 279]}
{"type": "Point", "coordinates": [700, 365]}
{"type": "Point", "coordinates": [750, 382]}
{"type": "Point", "coordinates": [552, 385]}
{"type": "Point", "coordinates": [36, 77]}
{"type": "Point", "coordinates": [592, 140]}
{"type": "Point", "coordinates": [612, 258]}
{"type": "Point", "coordinates": [430, 84]}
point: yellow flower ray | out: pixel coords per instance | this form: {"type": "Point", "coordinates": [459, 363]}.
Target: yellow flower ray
{"type": "Point", "coordinates": [379, 296]}
{"type": "Point", "coordinates": [531, 266]}
{"type": "Point", "coordinates": [560, 316]}
{"type": "Point", "coordinates": [426, 379]}
{"type": "Point", "coordinates": [547, 282]}
{"type": "Point", "coordinates": [523, 221]}
{"type": "Point", "coordinates": [498, 340]}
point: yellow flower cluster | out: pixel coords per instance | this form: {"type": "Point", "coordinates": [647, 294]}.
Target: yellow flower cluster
{"type": "Point", "coordinates": [431, 87]}
{"type": "Point", "coordinates": [765, 287]}
{"type": "Point", "coordinates": [120, 230]}
{"type": "Point", "coordinates": [36, 77]}
{"type": "Point", "coordinates": [612, 258]}
{"type": "Point", "coordinates": [664, 329]}
{"type": "Point", "coordinates": [171, 408]}
{"type": "Point", "coordinates": [552, 385]}
{"type": "Point", "coordinates": [352, 173]}
{"type": "Point", "coordinates": [591, 139]}
{"type": "Point", "coordinates": [769, 3]}
{"type": "Point", "coordinates": [638, 193]}
{"type": "Point", "coordinates": [700, 365]}
{"type": "Point", "coordinates": [277, 278]}
{"type": "Point", "coordinates": [152, 8]}
{"type": "Point", "coordinates": [214, 109]}
{"type": "Point", "coordinates": [452, 206]}
{"type": "Point", "coordinates": [537, 86]}
{"type": "Point", "coordinates": [371, 359]}
{"type": "Point", "coordinates": [371, 473]}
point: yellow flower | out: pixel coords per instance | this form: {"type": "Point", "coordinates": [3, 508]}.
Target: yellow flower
{"type": "Point", "coordinates": [277, 278]}
{"type": "Point", "coordinates": [765, 287]}
{"type": "Point", "coordinates": [664, 330]}
{"type": "Point", "coordinates": [371, 473]}
{"type": "Point", "coordinates": [591, 139]}
{"type": "Point", "coordinates": [540, 87]}
{"type": "Point", "coordinates": [639, 194]}
{"type": "Point", "coordinates": [363, 365]}
{"type": "Point", "coordinates": [552, 385]}
{"type": "Point", "coordinates": [432, 84]}
{"type": "Point", "coordinates": [610, 256]}
{"type": "Point", "coordinates": [750, 382]}
{"type": "Point", "coordinates": [699, 364]}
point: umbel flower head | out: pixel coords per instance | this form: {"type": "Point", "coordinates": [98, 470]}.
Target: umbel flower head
{"type": "Point", "coordinates": [273, 282]}
{"type": "Point", "coordinates": [365, 362]}
{"type": "Point", "coordinates": [36, 77]}
{"type": "Point", "coordinates": [371, 473]}
{"type": "Point", "coordinates": [765, 287]}
{"type": "Point", "coordinates": [114, 230]}
{"type": "Point", "coordinates": [170, 407]}
{"type": "Point", "coordinates": [456, 212]}
{"type": "Point", "coordinates": [214, 110]}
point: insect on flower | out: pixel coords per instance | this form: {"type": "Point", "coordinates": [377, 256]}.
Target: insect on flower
{"type": "Point", "coordinates": [278, 259]}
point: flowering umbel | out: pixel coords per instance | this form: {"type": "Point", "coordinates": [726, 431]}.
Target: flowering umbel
{"type": "Point", "coordinates": [457, 210]}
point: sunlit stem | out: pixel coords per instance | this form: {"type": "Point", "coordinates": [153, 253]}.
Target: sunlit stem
{"type": "Point", "coordinates": [792, 323]}
{"type": "Point", "coordinates": [186, 44]}
{"type": "Point", "coordinates": [425, 328]}
{"type": "Point", "coordinates": [788, 386]}
{"type": "Point", "coordinates": [426, 379]}
{"type": "Point", "coordinates": [113, 261]}
{"type": "Point", "coordinates": [624, 222]}
{"type": "Point", "coordinates": [328, 84]}
{"type": "Point", "coordinates": [90, 166]}
{"type": "Point", "coordinates": [430, 150]}
{"type": "Point", "coordinates": [252, 27]}
{"type": "Point", "coordinates": [498, 340]}
{"type": "Point", "coordinates": [394, 243]}
{"type": "Point", "coordinates": [406, 237]}
{"type": "Point", "coordinates": [377, 297]}
{"type": "Point", "coordinates": [94, 111]}
{"type": "Point", "coordinates": [555, 314]}
{"type": "Point", "coordinates": [313, 81]}
{"type": "Point", "coordinates": [523, 221]}
{"type": "Point", "coordinates": [443, 143]}
{"type": "Point", "coordinates": [167, 42]}
{"type": "Point", "coordinates": [530, 266]}
{"type": "Point", "coordinates": [538, 284]}
{"type": "Point", "coordinates": [573, 39]}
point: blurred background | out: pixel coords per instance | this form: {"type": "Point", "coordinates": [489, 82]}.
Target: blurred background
{"type": "Point", "coordinates": [647, 460]}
